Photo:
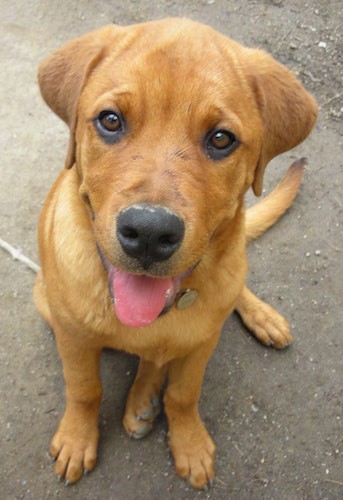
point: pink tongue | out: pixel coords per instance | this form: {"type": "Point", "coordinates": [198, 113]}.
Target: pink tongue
{"type": "Point", "coordinates": [138, 300]}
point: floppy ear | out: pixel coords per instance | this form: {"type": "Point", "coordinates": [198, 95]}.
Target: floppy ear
{"type": "Point", "coordinates": [62, 77]}
{"type": "Point", "coordinates": [288, 112]}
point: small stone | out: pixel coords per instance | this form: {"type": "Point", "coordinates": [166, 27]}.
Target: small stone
{"type": "Point", "coordinates": [322, 45]}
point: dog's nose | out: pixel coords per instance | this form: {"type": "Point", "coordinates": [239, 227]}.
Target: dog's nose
{"type": "Point", "coordinates": [149, 233]}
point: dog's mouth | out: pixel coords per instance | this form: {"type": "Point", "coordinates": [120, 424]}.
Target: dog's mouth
{"type": "Point", "coordinates": [139, 299]}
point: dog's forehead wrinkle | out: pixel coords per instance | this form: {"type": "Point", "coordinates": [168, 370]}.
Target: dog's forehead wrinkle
{"type": "Point", "coordinates": [184, 152]}
{"type": "Point", "coordinates": [179, 153]}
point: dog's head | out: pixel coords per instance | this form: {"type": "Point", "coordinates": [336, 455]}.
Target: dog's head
{"type": "Point", "coordinates": [170, 123]}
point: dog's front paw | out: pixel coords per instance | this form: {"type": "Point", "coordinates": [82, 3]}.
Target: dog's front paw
{"type": "Point", "coordinates": [74, 448]}
{"type": "Point", "coordinates": [193, 452]}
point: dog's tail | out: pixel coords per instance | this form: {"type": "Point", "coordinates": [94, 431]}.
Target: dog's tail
{"type": "Point", "coordinates": [266, 212]}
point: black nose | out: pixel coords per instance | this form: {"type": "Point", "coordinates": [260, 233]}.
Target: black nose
{"type": "Point", "coordinates": [149, 233]}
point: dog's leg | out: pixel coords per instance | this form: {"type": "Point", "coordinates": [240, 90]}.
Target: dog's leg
{"type": "Point", "coordinates": [268, 326]}
{"type": "Point", "coordinates": [190, 443]}
{"type": "Point", "coordinates": [74, 446]}
{"type": "Point", "coordinates": [143, 404]}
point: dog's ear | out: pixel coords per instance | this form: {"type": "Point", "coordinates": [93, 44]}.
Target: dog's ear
{"type": "Point", "coordinates": [287, 111]}
{"type": "Point", "coordinates": [62, 77]}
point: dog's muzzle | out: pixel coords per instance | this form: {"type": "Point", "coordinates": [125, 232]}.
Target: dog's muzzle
{"type": "Point", "coordinates": [149, 234]}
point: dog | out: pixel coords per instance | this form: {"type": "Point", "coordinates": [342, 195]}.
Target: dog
{"type": "Point", "coordinates": [142, 238]}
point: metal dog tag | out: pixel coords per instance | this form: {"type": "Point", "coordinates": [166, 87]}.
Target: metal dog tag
{"type": "Point", "coordinates": [187, 298]}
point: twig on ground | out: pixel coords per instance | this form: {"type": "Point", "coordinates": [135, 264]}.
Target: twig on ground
{"type": "Point", "coordinates": [311, 77]}
{"type": "Point", "coordinates": [334, 482]}
{"type": "Point", "coordinates": [337, 96]}
{"type": "Point", "coordinates": [17, 254]}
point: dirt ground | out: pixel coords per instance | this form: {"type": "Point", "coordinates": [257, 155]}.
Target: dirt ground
{"type": "Point", "coordinates": [276, 417]}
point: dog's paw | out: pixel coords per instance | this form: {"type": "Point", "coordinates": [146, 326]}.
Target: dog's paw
{"type": "Point", "coordinates": [271, 329]}
{"type": "Point", "coordinates": [194, 455]}
{"type": "Point", "coordinates": [268, 326]}
{"type": "Point", "coordinates": [263, 321]}
{"type": "Point", "coordinates": [74, 449]}
{"type": "Point", "coordinates": [139, 418]}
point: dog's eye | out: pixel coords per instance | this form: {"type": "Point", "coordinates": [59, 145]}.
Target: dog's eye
{"type": "Point", "coordinates": [110, 121]}
{"type": "Point", "coordinates": [110, 126]}
{"type": "Point", "coordinates": [220, 143]}
{"type": "Point", "coordinates": [221, 139]}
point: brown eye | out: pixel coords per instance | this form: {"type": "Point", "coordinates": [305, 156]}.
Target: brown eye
{"type": "Point", "coordinates": [110, 126]}
{"type": "Point", "coordinates": [221, 140]}
{"type": "Point", "coordinates": [110, 121]}
{"type": "Point", "coordinates": [220, 143]}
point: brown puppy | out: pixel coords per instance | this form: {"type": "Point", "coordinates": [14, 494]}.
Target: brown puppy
{"type": "Point", "coordinates": [170, 124]}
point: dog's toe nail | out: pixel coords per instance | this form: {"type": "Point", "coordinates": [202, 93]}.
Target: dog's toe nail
{"type": "Point", "coordinates": [155, 402]}
{"type": "Point", "coordinates": [142, 431]}
{"type": "Point", "coordinates": [147, 414]}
